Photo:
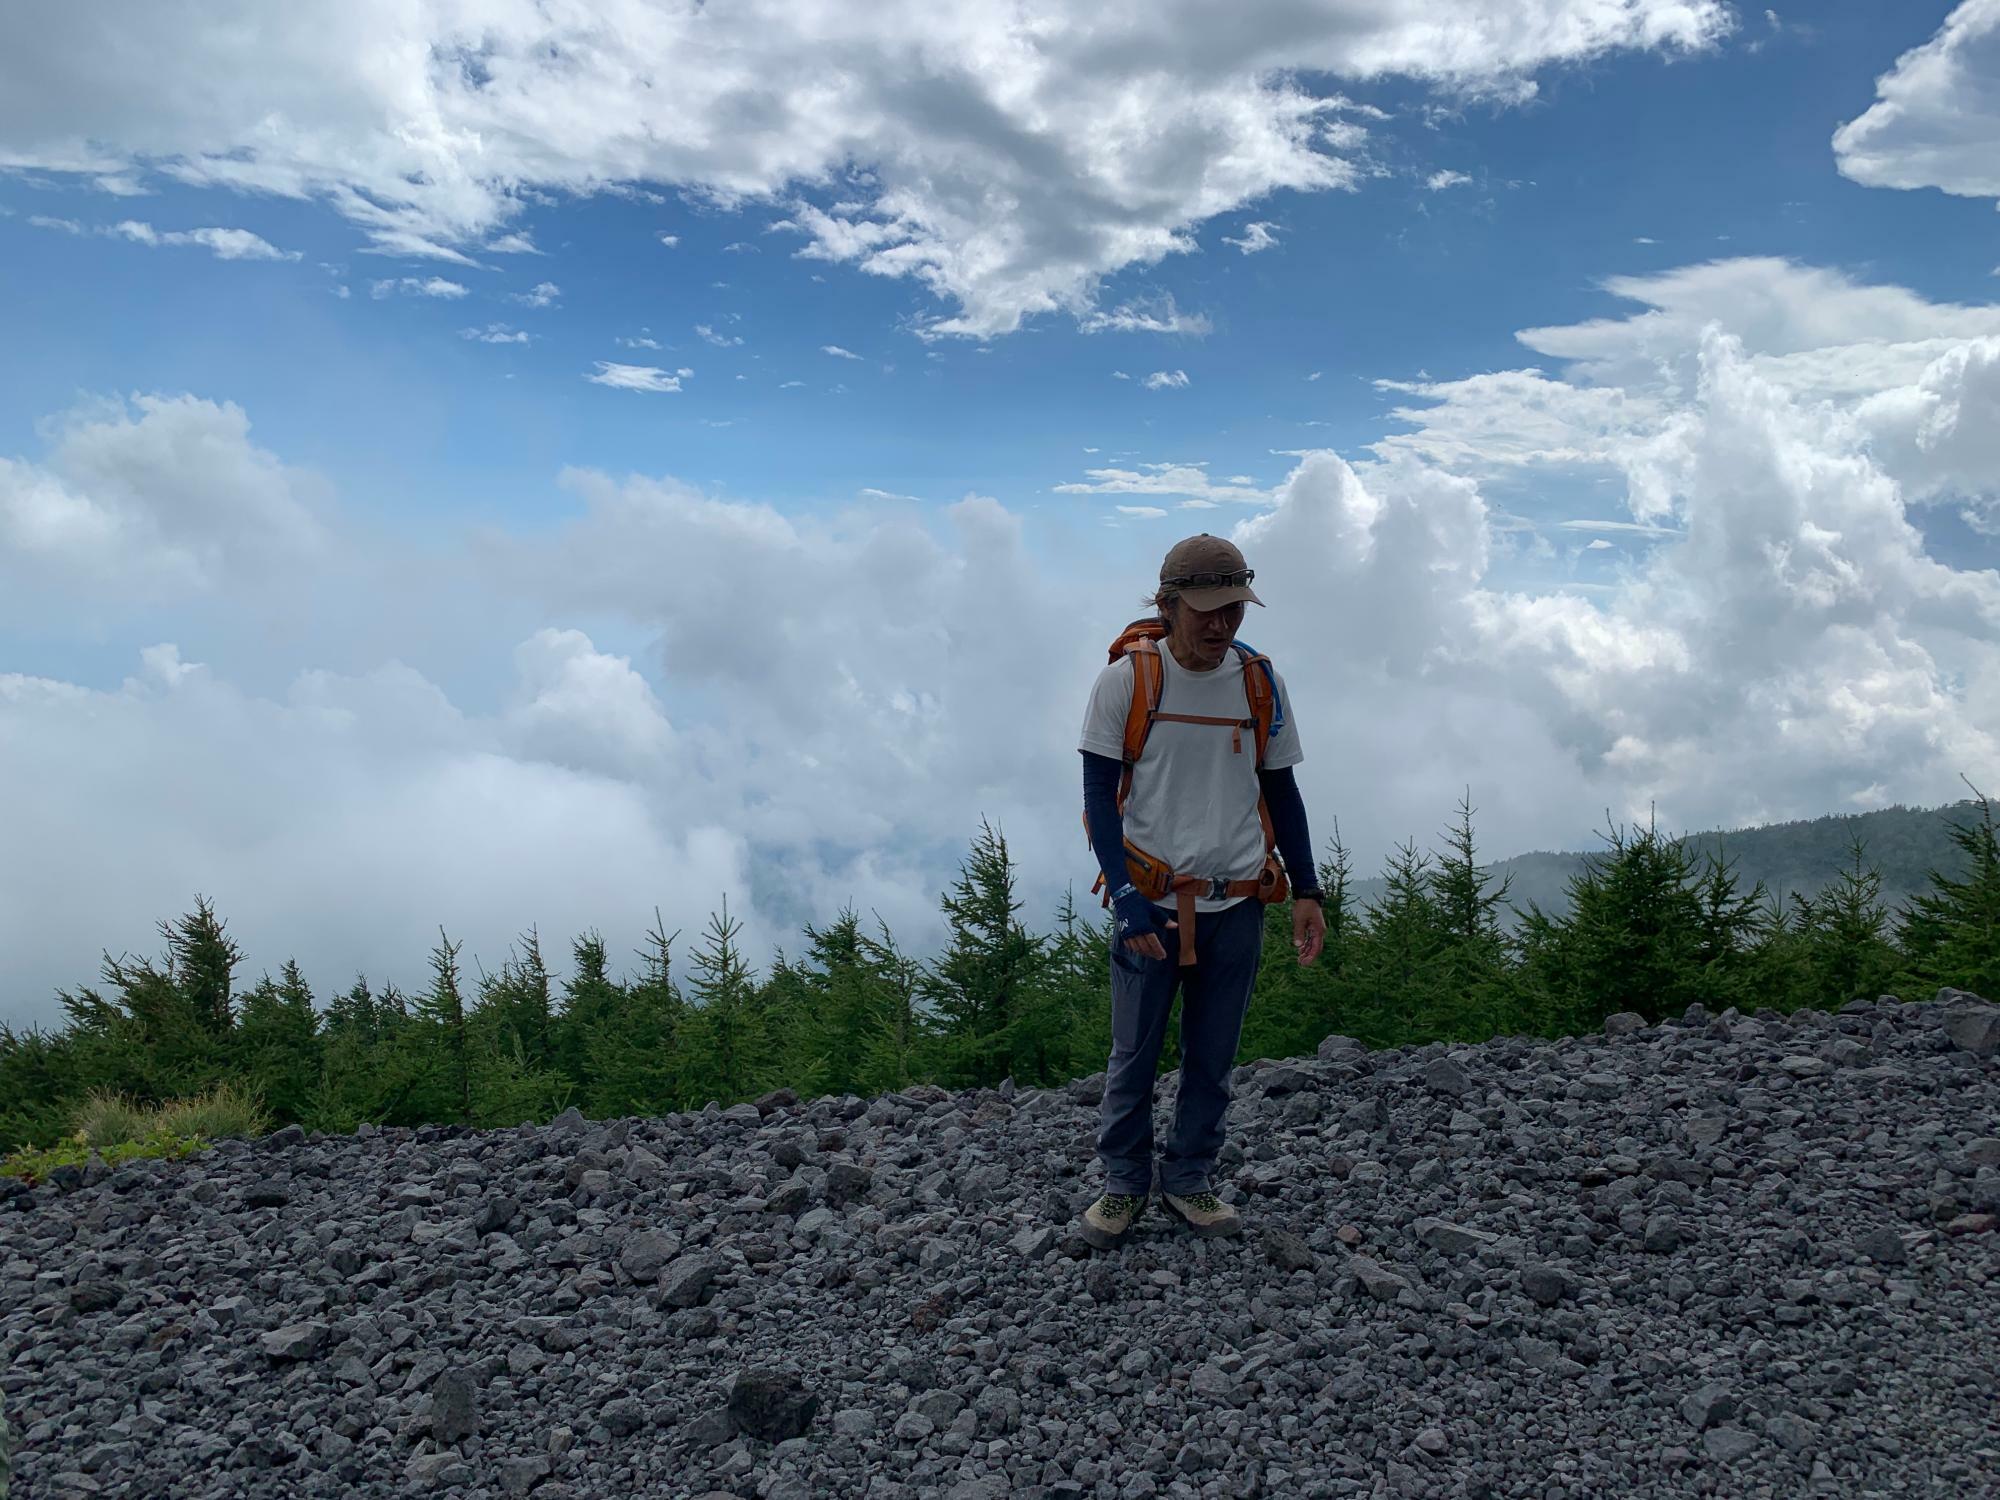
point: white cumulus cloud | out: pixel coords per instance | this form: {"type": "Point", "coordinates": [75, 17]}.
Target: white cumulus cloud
{"type": "Point", "coordinates": [153, 500]}
{"type": "Point", "coordinates": [648, 378]}
{"type": "Point", "coordinates": [1256, 237]}
{"type": "Point", "coordinates": [1936, 118]}
{"type": "Point", "coordinates": [416, 286]}
{"type": "Point", "coordinates": [1009, 157]}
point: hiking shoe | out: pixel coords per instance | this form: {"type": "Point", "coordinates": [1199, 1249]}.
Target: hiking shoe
{"type": "Point", "coordinates": [1204, 1213]}
{"type": "Point", "coordinates": [1109, 1220]}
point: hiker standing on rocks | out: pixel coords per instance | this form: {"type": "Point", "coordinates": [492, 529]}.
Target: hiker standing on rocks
{"type": "Point", "coordinates": [1190, 802]}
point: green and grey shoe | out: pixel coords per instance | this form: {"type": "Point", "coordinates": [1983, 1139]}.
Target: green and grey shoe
{"type": "Point", "coordinates": [1109, 1220]}
{"type": "Point", "coordinates": [1204, 1213]}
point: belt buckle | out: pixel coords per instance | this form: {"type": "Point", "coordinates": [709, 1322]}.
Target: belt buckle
{"type": "Point", "coordinates": [1218, 889]}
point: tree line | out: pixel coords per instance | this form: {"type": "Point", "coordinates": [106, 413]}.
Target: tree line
{"type": "Point", "coordinates": [1652, 924]}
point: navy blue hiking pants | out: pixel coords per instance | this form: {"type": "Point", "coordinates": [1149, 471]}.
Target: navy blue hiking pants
{"type": "Point", "coordinates": [1215, 993]}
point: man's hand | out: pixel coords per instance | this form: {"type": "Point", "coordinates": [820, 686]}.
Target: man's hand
{"type": "Point", "coordinates": [1308, 930]}
{"type": "Point", "coordinates": [1139, 922]}
{"type": "Point", "coordinates": [1149, 945]}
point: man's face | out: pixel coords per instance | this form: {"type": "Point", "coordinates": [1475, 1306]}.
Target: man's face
{"type": "Point", "coordinates": [1201, 637]}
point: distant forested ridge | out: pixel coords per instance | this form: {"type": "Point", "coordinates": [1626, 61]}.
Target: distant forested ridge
{"type": "Point", "coordinates": [1440, 948]}
{"type": "Point", "coordinates": [1904, 844]}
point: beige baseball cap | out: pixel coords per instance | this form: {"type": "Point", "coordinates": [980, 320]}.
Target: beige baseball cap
{"type": "Point", "coordinates": [1208, 571]}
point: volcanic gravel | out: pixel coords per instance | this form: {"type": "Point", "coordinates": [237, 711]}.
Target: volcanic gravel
{"type": "Point", "coordinates": [1733, 1255]}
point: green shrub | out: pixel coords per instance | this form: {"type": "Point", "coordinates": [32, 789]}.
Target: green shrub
{"type": "Point", "coordinates": [221, 1112]}
{"type": "Point", "coordinates": [105, 1118]}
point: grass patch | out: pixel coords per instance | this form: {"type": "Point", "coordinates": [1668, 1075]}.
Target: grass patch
{"type": "Point", "coordinates": [114, 1129]}
{"type": "Point", "coordinates": [220, 1113]}
{"type": "Point", "coordinates": [34, 1164]}
{"type": "Point", "coordinates": [105, 1119]}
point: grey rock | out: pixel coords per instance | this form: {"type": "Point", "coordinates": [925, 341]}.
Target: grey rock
{"type": "Point", "coordinates": [771, 1404]}
{"type": "Point", "coordinates": [686, 1281]}
{"type": "Point", "coordinates": [519, 1476]}
{"type": "Point", "coordinates": [1283, 1079]}
{"type": "Point", "coordinates": [815, 1221]}
{"type": "Point", "coordinates": [1624, 1023]}
{"type": "Point", "coordinates": [709, 1429]}
{"type": "Point", "coordinates": [1883, 1246]}
{"type": "Point", "coordinates": [1216, 1385]}
{"type": "Point", "coordinates": [1545, 1284]}
{"type": "Point", "coordinates": [1033, 1241]}
{"type": "Point", "coordinates": [454, 1406]}
{"type": "Point", "coordinates": [1793, 1434]}
{"type": "Point", "coordinates": [1451, 1239]}
{"type": "Point", "coordinates": [1708, 1405]}
{"type": "Point", "coordinates": [622, 1416]}
{"type": "Point", "coordinates": [1972, 1023]}
{"type": "Point", "coordinates": [1444, 1075]}
{"type": "Point", "coordinates": [789, 1198]}
{"type": "Point", "coordinates": [1375, 1279]}
{"type": "Point", "coordinates": [845, 1182]}
{"type": "Point", "coordinates": [1663, 1234]}
{"type": "Point", "coordinates": [1287, 1251]}
{"type": "Point", "coordinates": [95, 1294]}
{"type": "Point", "coordinates": [645, 1254]}
{"type": "Point", "coordinates": [294, 1341]}
{"type": "Point", "coordinates": [1729, 1445]}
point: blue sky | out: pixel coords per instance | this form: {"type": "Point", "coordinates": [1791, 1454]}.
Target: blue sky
{"type": "Point", "coordinates": [365, 441]}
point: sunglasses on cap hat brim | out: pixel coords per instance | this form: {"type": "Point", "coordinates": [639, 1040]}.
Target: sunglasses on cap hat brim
{"type": "Point", "coordinates": [1239, 579]}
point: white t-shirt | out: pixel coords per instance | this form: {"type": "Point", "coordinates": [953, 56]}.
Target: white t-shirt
{"type": "Point", "coordinates": [1194, 800]}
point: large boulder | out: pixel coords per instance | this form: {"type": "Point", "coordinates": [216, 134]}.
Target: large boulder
{"type": "Point", "coordinates": [1972, 1023]}
{"type": "Point", "coordinates": [771, 1404]}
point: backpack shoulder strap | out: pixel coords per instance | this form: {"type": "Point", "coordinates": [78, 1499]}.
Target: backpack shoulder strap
{"type": "Point", "coordinates": [1260, 686]}
{"type": "Point", "coordinates": [1148, 678]}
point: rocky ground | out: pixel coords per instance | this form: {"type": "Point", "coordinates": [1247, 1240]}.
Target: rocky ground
{"type": "Point", "coordinates": [1740, 1256]}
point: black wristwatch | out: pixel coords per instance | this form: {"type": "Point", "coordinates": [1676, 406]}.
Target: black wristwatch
{"type": "Point", "coordinates": [1315, 894]}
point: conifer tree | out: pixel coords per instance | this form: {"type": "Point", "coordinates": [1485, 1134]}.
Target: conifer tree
{"type": "Point", "coordinates": [514, 1009]}
{"type": "Point", "coordinates": [204, 959]}
{"type": "Point", "coordinates": [1848, 954]}
{"type": "Point", "coordinates": [441, 1018]}
{"type": "Point", "coordinates": [589, 996]}
{"type": "Point", "coordinates": [1726, 929]}
{"type": "Point", "coordinates": [278, 1044]}
{"type": "Point", "coordinates": [1780, 965]}
{"type": "Point", "coordinates": [1066, 1002]}
{"type": "Point", "coordinates": [893, 1055]}
{"type": "Point", "coordinates": [731, 1055]}
{"type": "Point", "coordinates": [981, 983]}
{"type": "Point", "coordinates": [1951, 933]}
{"type": "Point", "coordinates": [1471, 991]}
{"type": "Point", "coordinates": [636, 1045]}
{"type": "Point", "coordinates": [1398, 973]}
{"type": "Point", "coordinates": [1633, 937]}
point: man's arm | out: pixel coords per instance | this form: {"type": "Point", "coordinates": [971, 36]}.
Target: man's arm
{"type": "Point", "coordinates": [1100, 811]}
{"type": "Point", "coordinates": [1288, 824]}
{"type": "Point", "coordinates": [1137, 917]}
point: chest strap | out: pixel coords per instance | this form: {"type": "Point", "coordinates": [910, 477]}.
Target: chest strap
{"type": "Point", "coordinates": [1235, 726]}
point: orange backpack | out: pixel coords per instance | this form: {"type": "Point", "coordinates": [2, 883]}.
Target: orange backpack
{"type": "Point", "coordinates": [1152, 876]}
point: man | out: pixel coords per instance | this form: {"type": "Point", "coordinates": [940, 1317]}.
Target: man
{"type": "Point", "coordinates": [1192, 804]}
